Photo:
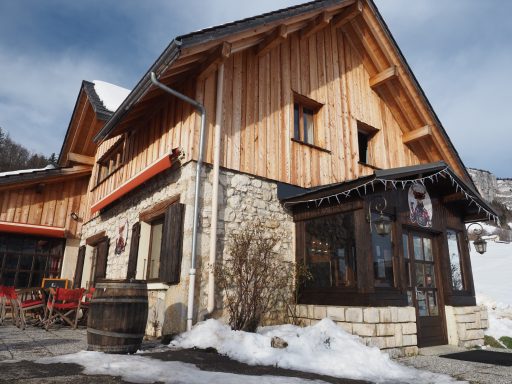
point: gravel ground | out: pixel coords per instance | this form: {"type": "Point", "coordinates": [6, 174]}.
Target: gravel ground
{"type": "Point", "coordinates": [475, 373]}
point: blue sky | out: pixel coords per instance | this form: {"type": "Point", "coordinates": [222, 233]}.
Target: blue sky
{"type": "Point", "coordinates": [460, 51]}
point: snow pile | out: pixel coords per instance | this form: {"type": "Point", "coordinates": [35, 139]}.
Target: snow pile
{"type": "Point", "coordinates": [110, 95]}
{"type": "Point", "coordinates": [492, 273]}
{"type": "Point", "coordinates": [138, 369]}
{"type": "Point", "coordinates": [324, 348]}
{"type": "Point", "coordinates": [21, 171]}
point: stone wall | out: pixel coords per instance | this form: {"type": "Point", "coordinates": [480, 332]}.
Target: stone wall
{"type": "Point", "coordinates": [392, 329]}
{"type": "Point", "coordinates": [466, 325]}
{"type": "Point", "coordinates": [242, 199]}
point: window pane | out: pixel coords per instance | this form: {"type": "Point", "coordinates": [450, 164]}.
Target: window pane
{"type": "Point", "coordinates": [430, 276]}
{"type": "Point", "coordinates": [409, 298]}
{"type": "Point", "coordinates": [382, 258]}
{"type": "Point", "coordinates": [455, 261]}
{"type": "Point", "coordinates": [26, 262]}
{"type": "Point", "coordinates": [422, 303]}
{"type": "Point", "coordinates": [296, 122]}
{"type": "Point", "coordinates": [432, 303]}
{"type": "Point", "coordinates": [420, 276]}
{"type": "Point", "coordinates": [330, 251]}
{"type": "Point", "coordinates": [11, 261]}
{"type": "Point", "coordinates": [309, 136]}
{"type": "Point", "coordinates": [427, 249]}
{"type": "Point", "coordinates": [405, 244]}
{"type": "Point", "coordinates": [156, 246]}
{"type": "Point", "coordinates": [418, 249]}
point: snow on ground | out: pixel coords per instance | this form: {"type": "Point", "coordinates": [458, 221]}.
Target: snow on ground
{"type": "Point", "coordinates": [139, 369]}
{"type": "Point", "coordinates": [21, 171]}
{"type": "Point", "coordinates": [492, 273]}
{"type": "Point", "coordinates": [323, 348]}
{"type": "Point", "coordinates": [110, 95]}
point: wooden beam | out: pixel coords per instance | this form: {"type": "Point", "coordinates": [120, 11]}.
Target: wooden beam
{"type": "Point", "coordinates": [384, 76]}
{"type": "Point", "coordinates": [321, 21]}
{"type": "Point", "coordinates": [417, 134]}
{"type": "Point", "coordinates": [274, 38]}
{"type": "Point", "coordinates": [348, 14]}
{"type": "Point", "coordinates": [452, 198]}
{"type": "Point", "coordinates": [219, 54]}
{"type": "Point", "coordinates": [81, 159]}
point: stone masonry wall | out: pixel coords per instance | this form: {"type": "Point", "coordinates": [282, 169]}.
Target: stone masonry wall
{"type": "Point", "coordinates": [243, 199]}
{"type": "Point", "coordinates": [466, 325]}
{"type": "Point", "coordinates": [392, 329]}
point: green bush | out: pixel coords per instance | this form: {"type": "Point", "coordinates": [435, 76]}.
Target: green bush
{"type": "Point", "coordinates": [492, 342]}
{"type": "Point", "coordinates": [506, 341]}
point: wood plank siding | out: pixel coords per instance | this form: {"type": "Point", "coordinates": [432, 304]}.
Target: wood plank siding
{"type": "Point", "coordinates": [258, 117]}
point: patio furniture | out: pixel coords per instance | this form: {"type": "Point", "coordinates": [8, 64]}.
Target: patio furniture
{"type": "Point", "coordinates": [8, 302]}
{"type": "Point", "coordinates": [64, 304]}
{"type": "Point", "coordinates": [85, 304]}
{"type": "Point", "coordinates": [30, 300]}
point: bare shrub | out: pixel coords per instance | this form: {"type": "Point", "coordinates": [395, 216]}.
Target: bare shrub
{"type": "Point", "coordinates": [301, 276]}
{"type": "Point", "coordinates": [253, 276]}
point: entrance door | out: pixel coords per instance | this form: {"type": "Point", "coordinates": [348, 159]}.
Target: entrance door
{"type": "Point", "coordinates": [422, 292]}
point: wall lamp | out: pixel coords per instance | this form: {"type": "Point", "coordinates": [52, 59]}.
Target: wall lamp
{"type": "Point", "coordinates": [382, 223]}
{"type": "Point", "coordinates": [479, 243]}
{"type": "Point", "coordinates": [74, 216]}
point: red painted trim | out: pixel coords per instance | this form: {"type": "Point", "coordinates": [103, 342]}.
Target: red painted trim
{"type": "Point", "coordinates": [152, 170]}
{"type": "Point", "coordinates": [29, 229]}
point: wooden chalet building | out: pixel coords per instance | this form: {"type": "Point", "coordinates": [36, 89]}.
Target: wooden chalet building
{"type": "Point", "coordinates": [316, 126]}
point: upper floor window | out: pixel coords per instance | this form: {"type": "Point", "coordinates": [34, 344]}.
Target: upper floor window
{"type": "Point", "coordinates": [456, 271]}
{"type": "Point", "coordinates": [111, 160]}
{"type": "Point", "coordinates": [365, 133]}
{"type": "Point", "coordinates": [304, 119]}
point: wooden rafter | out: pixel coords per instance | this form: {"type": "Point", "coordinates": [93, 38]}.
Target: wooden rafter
{"type": "Point", "coordinates": [348, 14]}
{"type": "Point", "coordinates": [384, 76]}
{"type": "Point", "coordinates": [274, 38]}
{"type": "Point", "coordinates": [318, 23]}
{"type": "Point", "coordinates": [81, 159]}
{"type": "Point", "coordinates": [219, 54]}
{"type": "Point", "coordinates": [417, 134]}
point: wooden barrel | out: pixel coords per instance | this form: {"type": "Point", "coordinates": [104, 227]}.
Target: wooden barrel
{"type": "Point", "coordinates": [117, 316]}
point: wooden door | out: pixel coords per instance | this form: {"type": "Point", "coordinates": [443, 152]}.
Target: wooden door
{"type": "Point", "coordinates": [423, 282]}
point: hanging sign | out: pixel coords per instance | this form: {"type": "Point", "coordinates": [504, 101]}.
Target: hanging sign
{"type": "Point", "coordinates": [122, 237]}
{"type": "Point", "coordinates": [420, 205]}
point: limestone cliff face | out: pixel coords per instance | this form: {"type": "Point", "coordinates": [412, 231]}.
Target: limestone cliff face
{"type": "Point", "coordinates": [492, 188]}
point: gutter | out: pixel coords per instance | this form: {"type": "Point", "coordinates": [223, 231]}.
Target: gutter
{"type": "Point", "coordinates": [192, 273]}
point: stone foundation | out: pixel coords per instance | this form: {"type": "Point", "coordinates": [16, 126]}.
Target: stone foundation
{"type": "Point", "coordinates": [466, 325]}
{"type": "Point", "coordinates": [392, 329]}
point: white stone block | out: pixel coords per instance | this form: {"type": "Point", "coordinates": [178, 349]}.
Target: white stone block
{"type": "Point", "coordinates": [406, 314]}
{"type": "Point", "coordinates": [408, 340]}
{"type": "Point", "coordinates": [398, 335]}
{"type": "Point", "coordinates": [362, 329]}
{"type": "Point", "coordinates": [302, 310]}
{"type": "Point", "coordinates": [484, 324]}
{"type": "Point", "coordinates": [371, 315]}
{"type": "Point", "coordinates": [410, 351]}
{"type": "Point", "coordinates": [319, 312]}
{"type": "Point", "coordinates": [390, 342]}
{"type": "Point", "coordinates": [467, 318]}
{"type": "Point", "coordinates": [385, 315]}
{"type": "Point", "coordinates": [354, 315]}
{"type": "Point", "coordinates": [379, 342]}
{"type": "Point", "coordinates": [385, 329]}
{"type": "Point", "coordinates": [409, 328]}
{"type": "Point", "coordinates": [394, 314]}
{"type": "Point", "coordinates": [346, 326]}
{"type": "Point", "coordinates": [336, 313]}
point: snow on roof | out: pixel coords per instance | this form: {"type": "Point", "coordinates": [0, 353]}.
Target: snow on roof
{"type": "Point", "coordinates": [21, 171]}
{"type": "Point", "coordinates": [110, 95]}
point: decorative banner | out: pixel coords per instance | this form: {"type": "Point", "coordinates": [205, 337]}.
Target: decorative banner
{"type": "Point", "coordinates": [122, 237]}
{"type": "Point", "coordinates": [420, 205]}
{"type": "Point", "coordinates": [369, 186]}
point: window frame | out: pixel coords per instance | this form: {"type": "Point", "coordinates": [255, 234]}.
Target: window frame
{"type": "Point", "coordinates": [300, 104]}
{"type": "Point", "coordinates": [369, 133]}
{"type": "Point", "coordinates": [111, 160]}
{"type": "Point", "coordinates": [460, 236]}
{"type": "Point", "coordinates": [155, 220]}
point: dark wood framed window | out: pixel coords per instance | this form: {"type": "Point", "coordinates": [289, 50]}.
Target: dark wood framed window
{"type": "Point", "coordinates": [305, 119]}
{"type": "Point", "coordinates": [111, 160]}
{"type": "Point", "coordinates": [365, 133]}
{"type": "Point", "coordinates": [456, 265]}
{"type": "Point", "coordinates": [26, 260]}
{"type": "Point", "coordinates": [99, 260]}
{"type": "Point", "coordinates": [166, 244]}
{"type": "Point", "coordinates": [330, 253]}
{"type": "Point", "coordinates": [382, 251]}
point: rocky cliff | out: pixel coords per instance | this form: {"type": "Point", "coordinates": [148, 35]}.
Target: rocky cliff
{"type": "Point", "coordinates": [492, 188]}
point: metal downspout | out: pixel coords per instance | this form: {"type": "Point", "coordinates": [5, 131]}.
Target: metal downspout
{"type": "Point", "coordinates": [215, 191]}
{"type": "Point", "coordinates": [192, 272]}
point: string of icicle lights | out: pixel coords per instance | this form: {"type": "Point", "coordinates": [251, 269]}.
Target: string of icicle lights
{"type": "Point", "coordinates": [363, 190]}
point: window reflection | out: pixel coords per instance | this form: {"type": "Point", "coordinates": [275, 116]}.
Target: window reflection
{"type": "Point", "coordinates": [455, 261]}
{"type": "Point", "coordinates": [382, 247]}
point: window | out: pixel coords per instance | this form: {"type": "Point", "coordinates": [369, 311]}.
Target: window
{"type": "Point", "coordinates": [99, 259]}
{"type": "Point", "coordinates": [165, 245]}
{"type": "Point", "coordinates": [330, 251]}
{"type": "Point", "coordinates": [382, 248]}
{"type": "Point", "coordinates": [304, 119]}
{"type": "Point", "coordinates": [26, 260]}
{"type": "Point", "coordinates": [111, 160]}
{"type": "Point", "coordinates": [365, 133]}
{"type": "Point", "coordinates": [456, 271]}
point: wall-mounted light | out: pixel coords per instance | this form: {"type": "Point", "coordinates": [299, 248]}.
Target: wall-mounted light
{"type": "Point", "coordinates": [382, 223]}
{"type": "Point", "coordinates": [74, 216]}
{"type": "Point", "coordinates": [479, 243]}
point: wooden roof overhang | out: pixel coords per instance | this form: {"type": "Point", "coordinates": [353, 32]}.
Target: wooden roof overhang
{"type": "Point", "coordinates": [199, 53]}
{"type": "Point", "coordinates": [87, 119]}
{"type": "Point", "coordinates": [34, 230]}
{"type": "Point", "coordinates": [447, 186]}
{"type": "Point", "coordinates": [46, 176]}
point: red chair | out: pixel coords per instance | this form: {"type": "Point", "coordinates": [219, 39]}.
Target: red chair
{"type": "Point", "coordinates": [63, 304]}
{"type": "Point", "coordinates": [30, 301]}
{"type": "Point", "coordinates": [8, 301]}
{"type": "Point", "coordinates": [85, 304]}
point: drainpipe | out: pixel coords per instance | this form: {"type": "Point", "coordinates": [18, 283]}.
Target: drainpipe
{"type": "Point", "coordinates": [215, 191]}
{"type": "Point", "coordinates": [192, 272]}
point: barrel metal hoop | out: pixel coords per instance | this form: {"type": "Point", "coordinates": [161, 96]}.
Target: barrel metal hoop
{"type": "Point", "coordinates": [118, 300]}
{"type": "Point", "coordinates": [121, 285]}
{"type": "Point", "coordinates": [115, 334]}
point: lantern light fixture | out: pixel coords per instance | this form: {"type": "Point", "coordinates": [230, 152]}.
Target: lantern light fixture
{"type": "Point", "coordinates": [382, 223]}
{"type": "Point", "coordinates": [479, 243]}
